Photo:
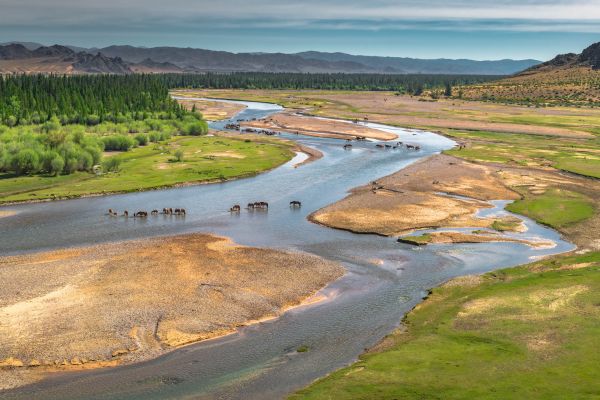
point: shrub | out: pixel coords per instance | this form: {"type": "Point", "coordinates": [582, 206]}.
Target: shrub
{"type": "Point", "coordinates": [56, 165]}
{"type": "Point", "coordinates": [112, 164]}
{"type": "Point", "coordinates": [141, 139]}
{"type": "Point", "coordinates": [196, 128]}
{"type": "Point", "coordinates": [117, 143]}
{"type": "Point", "coordinates": [26, 161]}
{"type": "Point", "coordinates": [178, 155]}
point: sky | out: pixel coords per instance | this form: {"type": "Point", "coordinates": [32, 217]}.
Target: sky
{"type": "Point", "coordinates": [482, 30]}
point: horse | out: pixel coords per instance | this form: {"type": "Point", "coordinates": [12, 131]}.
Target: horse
{"type": "Point", "coordinates": [379, 146]}
{"type": "Point", "coordinates": [235, 208]}
{"type": "Point", "coordinates": [126, 214]}
{"type": "Point", "coordinates": [154, 212]}
{"type": "Point", "coordinates": [140, 214]}
{"type": "Point", "coordinates": [295, 203]}
{"type": "Point", "coordinates": [250, 206]}
{"type": "Point", "coordinates": [347, 146]}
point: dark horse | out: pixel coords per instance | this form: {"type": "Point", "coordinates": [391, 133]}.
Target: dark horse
{"type": "Point", "coordinates": [235, 208]}
{"type": "Point", "coordinates": [295, 203]}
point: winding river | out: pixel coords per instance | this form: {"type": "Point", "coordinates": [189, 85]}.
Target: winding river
{"type": "Point", "coordinates": [260, 361]}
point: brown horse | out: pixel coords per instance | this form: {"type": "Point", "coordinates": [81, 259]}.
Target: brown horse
{"type": "Point", "coordinates": [126, 214]}
{"type": "Point", "coordinates": [236, 208]}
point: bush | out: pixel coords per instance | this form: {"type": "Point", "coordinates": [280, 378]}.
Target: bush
{"type": "Point", "coordinates": [178, 155]}
{"type": "Point", "coordinates": [141, 139]}
{"type": "Point", "coordinates": [26, 161]}
{"type": "Point", "coordinates": [196, 128]}
{"type": "Point", "coordinates": [112, 164]}
{"type": "Point", "coordinates": [117, 143]}
{"type": "Point", "coordinates": [56, 165]}
{"type": "Point", "coordinates": [92, 120]}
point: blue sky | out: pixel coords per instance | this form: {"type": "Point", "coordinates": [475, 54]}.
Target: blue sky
{"type": "Point", "coordinates": [484, 29]}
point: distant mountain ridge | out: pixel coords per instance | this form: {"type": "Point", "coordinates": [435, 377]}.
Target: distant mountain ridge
{"type": "Point", "coordinates": [58, 59]}
{"type": "Point", "coordinates": [429, 66]}
{"type": "Point", "coordinates": [176, 59]}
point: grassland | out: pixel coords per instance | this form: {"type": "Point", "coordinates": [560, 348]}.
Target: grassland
{"type": "Point", "coordinates": [548, 86]}
{"type": "Point", "coordinates": [205, 159]}
{"type": "Point", "coordinates": [526, 332]}
{"type": "Point", "coordinates": [556, 208]}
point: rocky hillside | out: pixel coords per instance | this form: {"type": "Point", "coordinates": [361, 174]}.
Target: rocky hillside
{"type": "Point", "coordinates": [58, 59]}
{"type": "Point", "coordinates": [567, 79]}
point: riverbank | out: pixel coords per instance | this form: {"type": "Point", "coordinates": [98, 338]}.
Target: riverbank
{"type": "Point", "coordinates": [505, 334]}
{"type": "Point", "coordinates": [204, 159]}
{"type": "Point", "coordinates": [125, 302]}
{"type": "Point", "coordinates": [210, 110]}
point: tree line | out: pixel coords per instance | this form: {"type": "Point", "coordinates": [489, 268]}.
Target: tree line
{"type": "Point", "coordinates": [84, 99]}
{"type": "Point", "coordinates": [411, 84]}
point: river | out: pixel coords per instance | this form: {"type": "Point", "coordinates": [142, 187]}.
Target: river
{"type": "Point", "coordinates": [260, 361]}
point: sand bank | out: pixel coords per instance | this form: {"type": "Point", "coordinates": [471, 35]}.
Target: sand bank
{"type": "Point", "coordinates": [337, 129]}
{"type": "Point", "coordinates": [411, 199]}
{"type": "Point", "coordinates": [125, 302]}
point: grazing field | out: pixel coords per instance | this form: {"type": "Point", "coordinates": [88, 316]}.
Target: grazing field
{"type": "Point", "coordinates": [526, 332]}
{"type": "Point", "coordinates": [203, 159]}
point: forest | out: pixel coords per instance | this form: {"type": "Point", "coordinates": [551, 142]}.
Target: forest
{"type": "Point", "coordinates": [59, 125]}
{"type": "Point", "coordinates": [410, 84]}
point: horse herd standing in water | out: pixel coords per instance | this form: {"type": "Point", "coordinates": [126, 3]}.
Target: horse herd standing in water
{"type": "Point", "coordinates": [258, 205]}
{"type": "Point", "coordinates": [144, 214]}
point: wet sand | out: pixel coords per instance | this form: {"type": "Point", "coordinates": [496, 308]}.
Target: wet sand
{"type": "Point", "coordinates": [336, 129]}
{"type": "Point", "coordinates": [125, 302]}
{"type": "Point", "coordinates": [419, 197]}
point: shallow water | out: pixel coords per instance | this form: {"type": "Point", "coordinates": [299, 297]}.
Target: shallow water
{"type": "Point", "coordinates": [260, 361]}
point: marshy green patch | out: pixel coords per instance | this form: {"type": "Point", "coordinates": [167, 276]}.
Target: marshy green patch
{"type": "Point", "coordinates": [529, 332]}
{"type": "Point", "coordinates": [419, 240]}
{"type": "Point", "coordinates": [555, 207]}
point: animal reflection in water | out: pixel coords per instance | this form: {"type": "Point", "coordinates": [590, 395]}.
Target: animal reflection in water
{"type": "Point", "coordinates": [144, 214]}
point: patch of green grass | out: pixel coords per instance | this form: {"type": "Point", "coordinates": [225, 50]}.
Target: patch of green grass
{"type": "Point", "coordinates": [302, 349]}
{"type": "Point", "coordinates": [419, 240]}
{"type": "Point", "coordinates": [581, 156]}
{"type": "Point", "coordinates": [529, 332]}
{"type": "Point", "coordinates": [556, 208]}
{"type": "Point", "coordinates": [506, 225]}
{"type": "Point", "coordinates": [204, 159]}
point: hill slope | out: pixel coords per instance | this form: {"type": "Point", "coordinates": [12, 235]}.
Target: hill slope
{"type": "Point", "coordinates": [567, 79]}
{"type": "Point", "coordinates": [57, 59]}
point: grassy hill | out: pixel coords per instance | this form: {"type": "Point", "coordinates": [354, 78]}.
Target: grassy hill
{"type": "Point", "coordinates": [566, 80]}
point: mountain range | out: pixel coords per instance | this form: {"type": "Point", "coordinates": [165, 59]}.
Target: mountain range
{"type": "Point", "coordinates": [34, 57]}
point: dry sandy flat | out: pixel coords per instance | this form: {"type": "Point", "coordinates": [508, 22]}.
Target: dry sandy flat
{"type": "Point", "coordinates": [417, 112]}
{"type": "Point", "coordinates": [123, 302]}
{"type": "Point", "coordinates": [213, 110]}
{"type": "Point", "coordinates": [409, 199]}
{"type": "Point", "coordinates": [4, 214]}
{"type": "Point", "coordinates": [318, 127]}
